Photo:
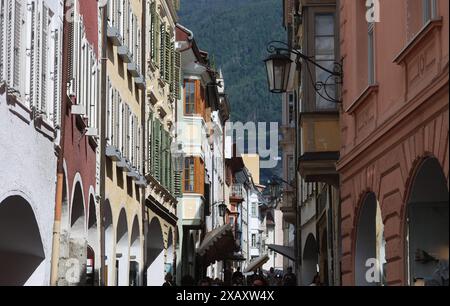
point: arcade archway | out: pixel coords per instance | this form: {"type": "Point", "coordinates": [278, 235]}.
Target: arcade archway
{"type": "Point", "coordinates": [427, 226]}
{"type": "Point", "coordinates": [22, 256]}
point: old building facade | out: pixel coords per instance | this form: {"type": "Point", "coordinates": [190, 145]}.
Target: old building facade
{"type": "Point", "coordinates": [30, 81]}
{"type": "Point", "coordinates": [394, 150]}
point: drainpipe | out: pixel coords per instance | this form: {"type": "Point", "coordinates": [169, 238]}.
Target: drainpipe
{"type": "Point", "coordinates": [60, 165]}
{"type": "Point", "coordinates": [103, 59]}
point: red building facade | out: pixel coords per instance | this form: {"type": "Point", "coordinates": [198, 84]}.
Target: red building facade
{"type": "Point", "coordinates": [394, 160]}
{"type": "Point", "coordinates": [79, 141]}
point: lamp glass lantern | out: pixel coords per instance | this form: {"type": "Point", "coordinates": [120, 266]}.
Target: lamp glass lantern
{"type": "Point", "coordinates": [178, 156]}
{"type": "Point", "coordinates": [274, 188]}
{"type": "Point", "coordinates": [278, 68]}
{"type": "Point", "coordinates": [222, 209]}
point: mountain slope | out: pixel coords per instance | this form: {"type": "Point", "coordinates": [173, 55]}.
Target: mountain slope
{"type": "Point", "coordinates": [235, 33]}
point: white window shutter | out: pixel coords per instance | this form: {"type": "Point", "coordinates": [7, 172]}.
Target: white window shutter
{"type": "Point", "coordinates": [44, 60]}
{"type": "Point", "coordinates": [4, 38]}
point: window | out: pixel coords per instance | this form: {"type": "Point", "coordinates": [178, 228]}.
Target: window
{"type": "Point", "coordinates": [429, 10]}
{"type": "Point", "coordinates": [290, 109]}
{"type": "Point", "coordinates": [254, 210]}
{"type": "Point", "coordinates": [290, 168]}
{"type": "Point", "coordinates": [189, 97]}
{"type": "Point", "coordinates": [232, 221]}
{"type": "Point", "coordinates": [324, 41]}
{"type": "Point", "coordinates": [371, 54]}
{"type": "Point", "coordinates": [189, 168]}
{"type": "Point", "coordinates": [253, 240]}
{"type": "Point", "coordinates": [419, 12]}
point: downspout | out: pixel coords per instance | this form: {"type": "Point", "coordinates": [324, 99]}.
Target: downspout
{"type": "Point", "coordinates": [60, 165]}
{"type": "Point", "coordinates": [103, 110]}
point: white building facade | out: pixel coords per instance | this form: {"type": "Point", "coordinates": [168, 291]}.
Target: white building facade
{"type": "Point", "coordinates": [29, 111]}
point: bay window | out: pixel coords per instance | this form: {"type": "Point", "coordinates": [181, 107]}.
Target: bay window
{"type": "Point", "coordinates": [189, 97]}
{"type": "Point", "coordinates": [189, 174]}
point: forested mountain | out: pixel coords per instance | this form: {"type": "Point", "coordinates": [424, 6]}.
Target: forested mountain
{"type": "Point", "coordinates": [235, 33]}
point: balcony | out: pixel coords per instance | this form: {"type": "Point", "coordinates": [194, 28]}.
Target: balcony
{"type": "Point", "coordinates": [133, 69]}
{"type": "Point", "coordinates": [125, 54]}
{"type": "Point", "coordinates": [192, 210]}
{"type": "Point", "coordinates": [113, 153]}
{"type": "Point", "coordinates": [125, 165]}
{"type": "Point", "coordinates": [287, 206]}
{"type": "Point", "coordinates": [134, 175]}
{"type": "Point", "coordinates": [113, 35]}
{"type": "Point", "coordinates": [321, 145]}
{"type": "Point", "coordinates": [140, 82]}
{"type": "Point", "coordinates": [237, 193]}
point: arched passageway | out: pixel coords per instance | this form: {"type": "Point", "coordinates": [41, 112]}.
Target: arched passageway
{"type": "Point", "coordinates": [109, 245]}
{"type": "Point", "coordinates": [22, 257]}
{"type": "Point", "coordinates": [93, 245]}
{"type": "Point", "coordinates": [427, 227]}
{"type": "Point", "coordinates": [122, 251]}
{"type": "Point", "coordinates": [310, 260]}
{"type": "Point", "coordinates": [155, 254]}
{"type": "Point", "coordinates": [370, 244]}
{"type": "Point", "coordinates": [135, 254]}
{"type": "Point", "coordinates": [77, 262]}
{"type": "Point", "coordinates": [170, 256]}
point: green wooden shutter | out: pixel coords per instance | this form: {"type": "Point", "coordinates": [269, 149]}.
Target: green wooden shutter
{"type": "Point", "coordinates": [167, 57]}
{"type": "Point", "coordinates": [162, 50]}
{"type": "Point", "coordinates": [177, 75]}
{"type": "Point", "coordinates": [149, 144]}
{"type": "Point", "coordinates": [153, 32]}
{"type": "Point", "coordinates": [157, 156]}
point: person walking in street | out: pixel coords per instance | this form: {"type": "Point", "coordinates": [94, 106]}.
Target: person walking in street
{"type": "Point", "coordinates": [290, 279]}
{"type": "Point", "coordinates": [168, 280]}
{"type": "Point", "coordinates": [272, 277]}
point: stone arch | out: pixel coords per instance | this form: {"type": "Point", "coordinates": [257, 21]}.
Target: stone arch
{"type": "Point", "coordinates": [77, 209]}
{"type": "Point", "coordinates": [22, 255]}
{"type": "Point", "coordinates": [77, 236]}
{"type": "Point", "coordinates": [155, 254]}
{"type": "Point", "coordinates": [310, 260]}
{"type": "Point", "coordinates": [135, 253]}
{"type": "Point", "coordinates": [426, 222]}
{"type": "Point", "coordinates": [122, 249]}
{"type": "Point", "coordinates": [369, 245]}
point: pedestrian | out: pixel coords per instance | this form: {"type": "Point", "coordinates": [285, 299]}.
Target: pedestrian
{"type": "Point", "coordinates": [272, 277]}
{"type": "Point", "coordinates": [168, 280]}
{"type": "Point", "coordinates": [290, 279]}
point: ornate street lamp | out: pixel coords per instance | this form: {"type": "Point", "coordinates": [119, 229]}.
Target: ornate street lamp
{"type": "Point", "coordinates": [222, 209]}
{"type": "Point", "coordinates": [274, 188]}
{"type": "Point", "coordinates": [278, 66]}
{"type": "Point", "coordinates": [178, 156]}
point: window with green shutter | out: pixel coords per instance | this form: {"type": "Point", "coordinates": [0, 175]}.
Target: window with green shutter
{"type": "Point", "coordinates": [162, 49]}
{"type": "Point", "coordinates": [177, 75]}
{"type": "Point", "coordinates": [167, 57]}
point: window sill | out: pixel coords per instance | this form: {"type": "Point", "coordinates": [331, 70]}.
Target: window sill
{"type": "Point", "coordinates": [371, 89]}
{"type": "Point", "coordinates": [427, 29]}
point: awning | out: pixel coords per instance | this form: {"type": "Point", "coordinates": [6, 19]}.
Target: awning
{"type": "Point", "coordinates": [256, 263]}
{"type": "Point", "coordinates": [218, 244]}
{"type": "Point", "coordinates": [286, 251]}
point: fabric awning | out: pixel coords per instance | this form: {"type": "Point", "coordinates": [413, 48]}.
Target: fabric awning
{"type": "Point", "coordinates": [218, 244]}
{"type": "Point", "coordinates": [256, 263]}
{"type": "Point", "coordinates": [286, 251]}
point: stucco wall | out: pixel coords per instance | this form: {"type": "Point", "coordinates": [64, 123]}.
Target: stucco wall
{"type": "Point", "coordinates": [28, 164]}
